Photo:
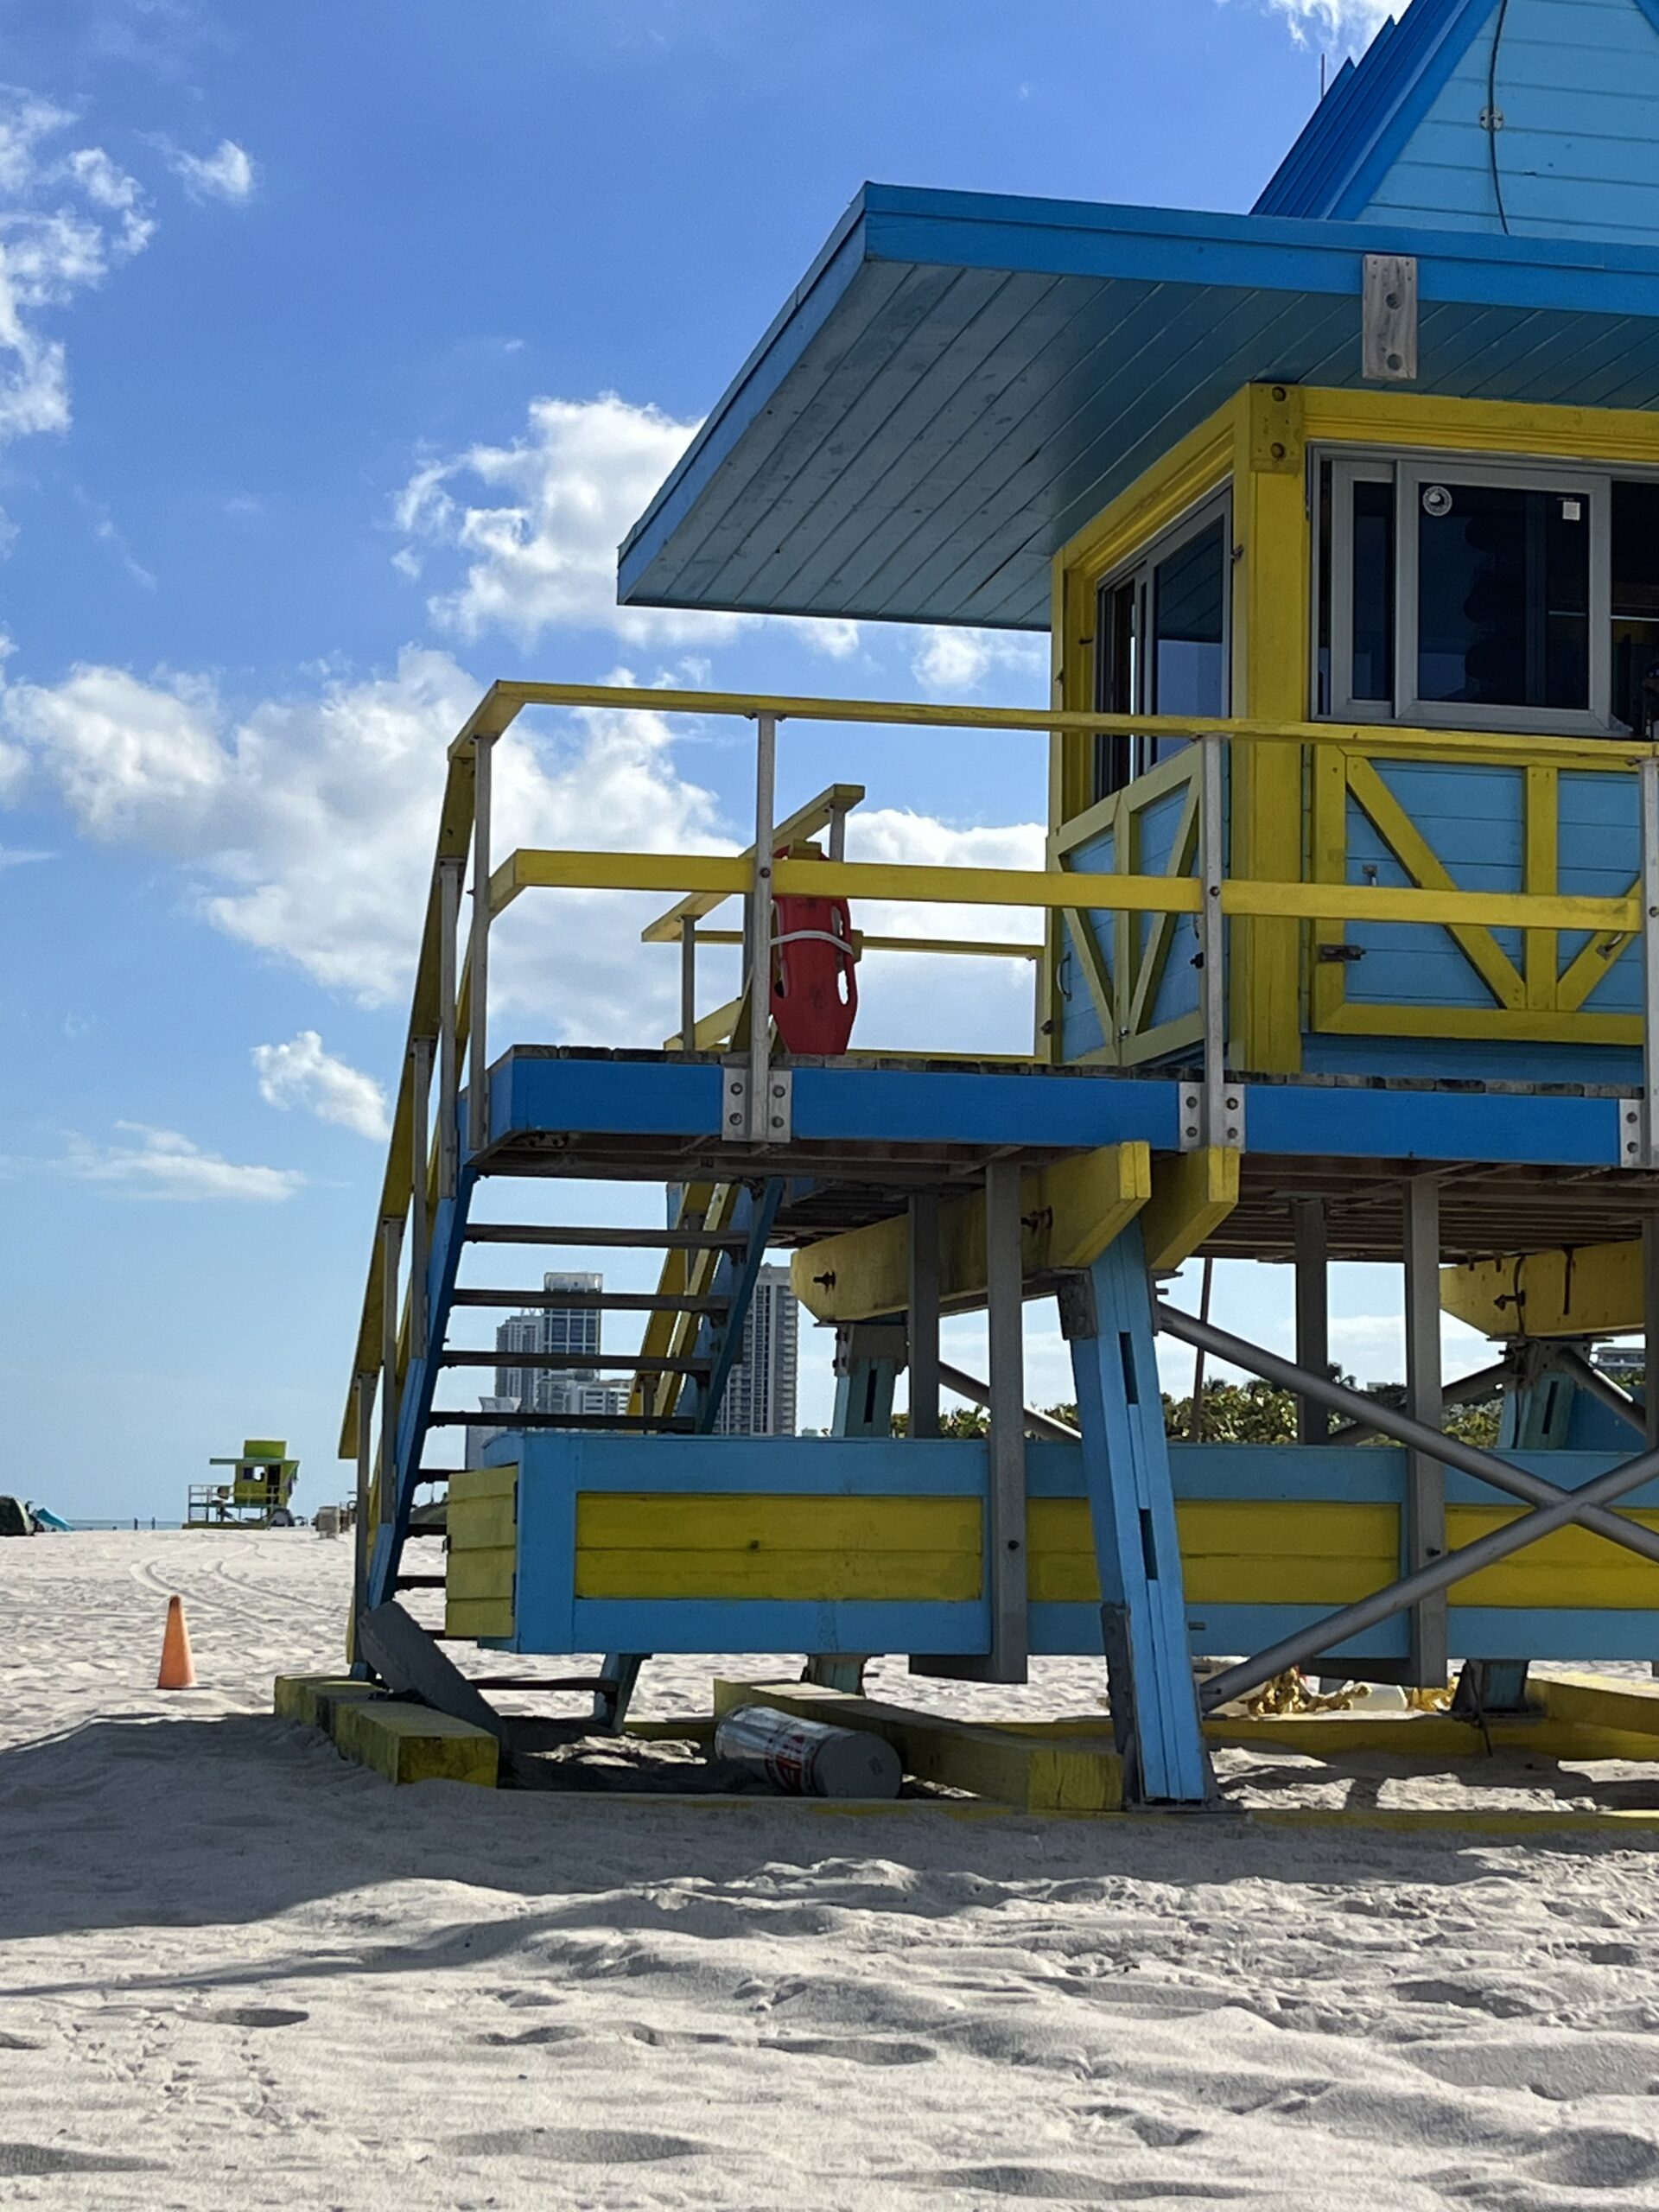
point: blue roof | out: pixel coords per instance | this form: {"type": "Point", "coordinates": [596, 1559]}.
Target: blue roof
{"type": "Point", "coordinates": [1365, 117]}
{"type": "Point", "coordinates": [962, 380]}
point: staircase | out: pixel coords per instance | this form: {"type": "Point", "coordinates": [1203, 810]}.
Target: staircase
{"type": "Point", "coordinates": [712, 1248]}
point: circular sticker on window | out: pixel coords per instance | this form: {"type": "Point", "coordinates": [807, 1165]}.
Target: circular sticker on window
{"type": "Point", "coordinates": [1437, 500]}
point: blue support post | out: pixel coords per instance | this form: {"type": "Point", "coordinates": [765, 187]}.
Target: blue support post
{"type": "Point", "coordinates": [869, 1355]}
{"type": "Point", "coordinates": [1107, 1315]}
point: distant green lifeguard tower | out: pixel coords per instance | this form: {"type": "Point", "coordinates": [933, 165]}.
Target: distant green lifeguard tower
{"type": "Point", "coordinates": [258, 1493]}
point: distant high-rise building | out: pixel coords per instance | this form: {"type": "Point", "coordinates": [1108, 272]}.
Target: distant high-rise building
{"type": "Point", "coordinates": [760, 1398]}
{"type": "Point", "coordinates": [564, 1329]}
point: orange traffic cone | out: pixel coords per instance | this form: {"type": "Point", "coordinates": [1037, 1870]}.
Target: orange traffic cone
{"type": "Point", "coordinates": [178, 1667]}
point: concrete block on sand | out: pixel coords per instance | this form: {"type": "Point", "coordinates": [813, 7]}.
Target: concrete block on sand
{"type": "Point", "coordinates": [410, 1743]}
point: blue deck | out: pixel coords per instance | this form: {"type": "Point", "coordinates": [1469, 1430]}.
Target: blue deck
{"type": "Point", "coordinates": [667, 1096]}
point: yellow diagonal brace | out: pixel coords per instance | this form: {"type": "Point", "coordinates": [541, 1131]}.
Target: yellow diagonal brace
{"type": "Point", "coordinates": [1424, 866]}
{"type": "Point", "coordinates": [1069, 1213]}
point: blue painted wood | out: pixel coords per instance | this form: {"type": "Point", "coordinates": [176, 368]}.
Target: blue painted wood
{"type": "Point", "coordinates": [1484, 1060]}
{"type": "Point", "coordinates": [663, 1096]}
{"type": "Point", "coordinates": [1474, 1632]}
{"type": "Point", "coordinates": [1132, 1511]}
{"type": "Point", "coordinates": [1433, 1125]}
{"type": "Point", "coordinates": [940, 1106]}
{"type": "Point", "coordinates": [720, 1339]}
{"type": "Point", "coordinates": [445, 1246]}
{"type": "Point", "coordinates": [1577, 154]}
{"type": "Point", "coordinates": [1081, 1029]}
{"type": "Point", "coordinates": [956, 520]}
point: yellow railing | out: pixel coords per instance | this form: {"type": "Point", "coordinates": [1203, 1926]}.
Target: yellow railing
{"type": "Point", "coordinates": [448, 1015]}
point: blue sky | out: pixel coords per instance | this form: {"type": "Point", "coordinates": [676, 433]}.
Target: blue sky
{"type": "Point", "coordinates": [338, 347]}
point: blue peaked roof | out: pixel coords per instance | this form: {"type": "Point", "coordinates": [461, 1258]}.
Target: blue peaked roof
{"type": "Point", "coordinates": [1370, 111]}
{"type": "Point", "coordinates": [962, 380]}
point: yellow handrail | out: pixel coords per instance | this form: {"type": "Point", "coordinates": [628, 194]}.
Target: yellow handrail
{"type": "Point", "coordinates": [702, 882]}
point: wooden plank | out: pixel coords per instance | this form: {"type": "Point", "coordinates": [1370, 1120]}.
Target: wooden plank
{"type": "Point", "coordinates": [1069, 1213]}
{"type": "Point", "coordinates": [486, 1524]}
{"type": "Point", "coordinates": [1599, 1701]}
{"type": "Point", "coordinates": [295, 1696]}
{"type": "Point", "coordinates": [1593, 1292]}
{"type": "Point", "coordinates": [411, 1742]}
{"type": "Point", "coordinates": [479, 1616]}
{"type": "Point", "coordinates": [774, 1523]}
{"type": "Point", "coordinates": [1033, 1773]}
{"type": "Point", "coordinates": [944, 1577]}
{"type": "Point", "coordinates": [1192, 1191]}
{"type": "Point", "coordinates": [481, 1574]}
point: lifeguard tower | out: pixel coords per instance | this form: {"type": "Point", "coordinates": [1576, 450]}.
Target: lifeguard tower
{"type": "Point", "coordinates": [257, 1495]}
{"type": "Point", "coordinates": [1343, 519]}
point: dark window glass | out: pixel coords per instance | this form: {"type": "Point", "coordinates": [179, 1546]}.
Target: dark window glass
{"type": "Point", "coordinates": [1116, 674]}
{"type": "Point", "coordinates": [1188, 592]}
{"type": "Point", "coordinates": [1372, 674]}
{"type": "Point", "coordinates": [1322, 654]}
{"type": "Point", "coordinates": [1504, 596]}
{"type": "Point", "coordinates": [1636, 603]}
{"type": "Point", "coordinates": [1189, 651]}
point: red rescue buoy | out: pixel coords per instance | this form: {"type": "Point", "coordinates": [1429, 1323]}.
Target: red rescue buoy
{"type": "Point", "coordinates": [814, 978]}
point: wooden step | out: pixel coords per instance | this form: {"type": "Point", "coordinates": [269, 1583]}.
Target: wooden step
{"type": "Point", "coordinates": [593, 1301]}
{"type": "Point", "coordinates": [582, 1361]}
{"type": "Point", "coordinates": [619, 1424]}
{"type": "Point", "coordinates": [676, 1240]}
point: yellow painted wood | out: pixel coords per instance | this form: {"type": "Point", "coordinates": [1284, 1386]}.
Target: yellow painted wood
{"type": "Point", "coordinates": [1572, 1569]}
{"type": "Point", "coordinates": [1542, 800]}
{"type": "Point", "coordinates": [1154, 957]}
{"type": "Point", "coordinates": [1035, 1773]}
{"type": "Point", "coordinates": [713, 1029]}
{"type": "Point", "coordinates": [807, 1577]}
{"type": "Point", "coordinates": [470, 1576]}
{"type": "Point", "coordinates": [1270, 662]}
{"type": "Point", "coordinates": [1423, 1736]}
{"type": "Point", "coordinates": [411, 1742]}
{"type": "Point", "coordinates": [1599, 1701]}
{"type": "Point", "coordinates": [1466, 914]}
{"type": "Point", "coordinates": [1412, 849]}
{"type": "Point", "coordinates": [482, 1508]}
{"type": "Point", "coordinates": [294, 1697]}
{"type": "Point", "coordinates": [980, 887]}
{"type": "Point", "coordinates": [1192, 1192]}
{"type": "Point", "coordinates": [775, 1523]}
{"type": "Point", "coordinates": [479, 1616]}
{"type": "Point", "coordinates": [1480, 426]}
{"type": "Point", "coordinates": [1594, 1291]}
{"type": "Point", "coordinates": [1070, 1212]}
{"type": "Point", "coordinates": [805, 822]}
{"type": "Point", "coordinates": [1384, 1020]}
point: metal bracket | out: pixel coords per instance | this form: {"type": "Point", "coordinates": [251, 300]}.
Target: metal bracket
{"type": "Point", "coordinates": [1634, 1147]}
{"type": "Point", "coordinates": [1389, 318]}
{"type": "Point", "coordinates": [862, 1340]}
{"type": "Point", "coordinates": [740, 1122]}
{"type": "Point", "coordinates": [1079, 1311]}
{"type": "Point", "coordinates": [1200, 1127]}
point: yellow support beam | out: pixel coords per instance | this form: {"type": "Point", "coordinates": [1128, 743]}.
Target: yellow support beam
{"type": "Point", "coordinates": [1192, 1192]}
{"type": "Point", "coordinates": [1071, 1212]}
{"type": "Point", "coordinates": [1595, 1290]}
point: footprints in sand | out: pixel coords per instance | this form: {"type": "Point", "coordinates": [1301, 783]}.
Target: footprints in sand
{"type": "Point", "coordinates": [579, 2146]}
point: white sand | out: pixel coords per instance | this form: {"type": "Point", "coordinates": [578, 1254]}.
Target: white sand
{"type": "Point", "coordinates": [238, 1972]}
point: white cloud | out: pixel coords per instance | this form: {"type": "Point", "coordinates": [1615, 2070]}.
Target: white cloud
{"type": "Point", "coordinates": [15, 857]}
{"type": "Point", "coordinates": [67, 218]}
{"type": "Point", "coordinates": [300, 1073]}
{"type": "Point", "coordinates": [161, 1164]}
{"type": "Point", "coordinates": [951, 663]}
{"type": "Point", "coordinates": [226, 173]}
{"type": "Point", "coordinates": [305, 824]}
{"type": "Point", "coordinates": [1337, 22]}
{"type": "Point", "coordinates": [537, 524]}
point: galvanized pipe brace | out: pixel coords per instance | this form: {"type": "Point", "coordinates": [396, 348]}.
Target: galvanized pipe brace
{"type": "Point", "coordinates": [1569, 1361]}
{"type": "Point", "coordinates": [1450, 1451]}
{"type": "Point", "coordinates": [1338, 1629]}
